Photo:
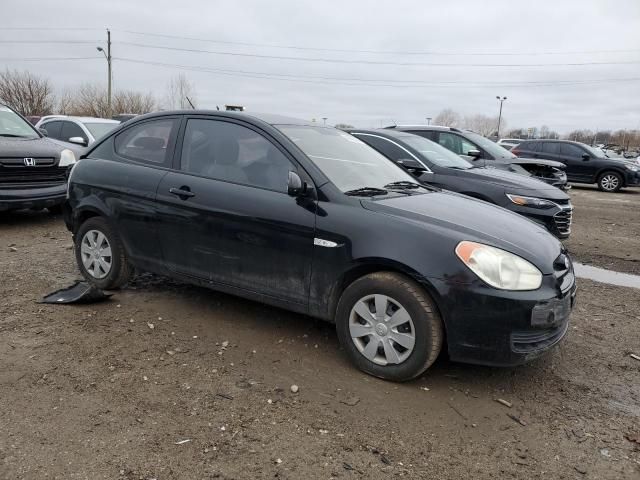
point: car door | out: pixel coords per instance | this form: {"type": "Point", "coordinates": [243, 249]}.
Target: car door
{"type": "Point", "coordinates": [226, 217]}
{"type": "Point", "coordinates": [129, 166]}
{"type": "Point", "coordinates": [53, 128]}
{"type": "Point", "coordinates": [72, 130]}
{"type": "Point", "coordinates": [579, 169]}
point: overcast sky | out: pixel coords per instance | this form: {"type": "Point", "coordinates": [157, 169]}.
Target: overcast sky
{"type": "Point", "coordinates": [372, 86]}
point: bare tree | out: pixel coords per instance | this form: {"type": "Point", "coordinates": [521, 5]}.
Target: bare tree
{"type": "Point", "coordinates": [179, 91]}
{"type": "Point", "coordinates": [65, 102]}
{"type": "Point", "coordinates": [482, 124]}
{"type": "Point", "coordinates": [447, 118]}
{"type": "Point", "coordinates": [27, 93]}
{"type": "Point", "coordinates": [91, 101]}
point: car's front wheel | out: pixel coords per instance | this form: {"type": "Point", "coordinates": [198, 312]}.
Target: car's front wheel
{"type": "Point", "coordinates": [610, 182]}
{"type": "Point", "coordinates": [389, 326]}
{"type": "Point", "coordinates": [100, 255]}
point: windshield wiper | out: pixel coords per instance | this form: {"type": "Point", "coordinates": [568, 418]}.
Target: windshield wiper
{"type": "Point", "coordinates": [13, 135]}
{"type": "Point", "coordinates": [366, 192]}
{"type": "Point", "coordinates": [403, 185]}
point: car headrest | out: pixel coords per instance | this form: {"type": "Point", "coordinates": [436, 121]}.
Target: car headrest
{"type": "Point", "coordinates": [149, 143]}
{"type": "Point", "coordinates": [227, 152]}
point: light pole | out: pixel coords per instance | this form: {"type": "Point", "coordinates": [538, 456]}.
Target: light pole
{"type": "Point", "coordinates": [428, 120]}
{"type": "Point", "coordinates": [107, 55]}
{"type": "Point", "coordinates": [500, 114]}
{"type": "Point", "coordinates": [324, 119]}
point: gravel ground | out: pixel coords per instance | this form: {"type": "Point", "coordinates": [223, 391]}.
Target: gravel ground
{"type": "Point", "coordinates": [169, 381]}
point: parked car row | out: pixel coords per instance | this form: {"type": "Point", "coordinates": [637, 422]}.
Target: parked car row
{"type": "Point", "coordinates": [315, 220]}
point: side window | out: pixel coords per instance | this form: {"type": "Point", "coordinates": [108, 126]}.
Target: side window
{"type": "Point", "coordinates": [385, 147]}
{"type": "Point", "coordinates": [551, 147]}
{"type": "Point", "coordinates": [146, 142]}
{"type": "Point", "coordinates": [70, 129]}
{"type": "Point", "coordinates": [571, 150]}
{"type": "Point", "coordinates": [456, 143]}
{"type": "Point", "coordinates": [230, 152]}
{"type": "Point", "coordinates": [53, 129]}
{"type": "Point", "coordinates": [428, 134]}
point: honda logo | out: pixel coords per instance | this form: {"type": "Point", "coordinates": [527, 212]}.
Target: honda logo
{"type": "Point", "coordinates": [29, 162]}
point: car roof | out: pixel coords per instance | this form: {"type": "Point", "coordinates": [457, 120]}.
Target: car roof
{"type": "Point", "coordinates": [382, 132]}
{"type": "Point", "coordinates": [80, 119]}
{"type": "Point", "coordinates": [424, 127]}
{"type": "Point", "coordinates": [272, 119]}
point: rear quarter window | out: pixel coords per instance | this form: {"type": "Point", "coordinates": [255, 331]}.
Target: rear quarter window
{"type": "Point", "coordinates": [148, 142]}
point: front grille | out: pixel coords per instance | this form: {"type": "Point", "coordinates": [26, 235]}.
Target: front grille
{"type": "Point", "coordinates": [14, 172]}
{"type": "Point", "coordinates": [563, 219]}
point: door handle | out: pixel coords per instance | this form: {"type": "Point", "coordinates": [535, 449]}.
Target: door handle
{"type": "Point", "coordinates": [182, 192]}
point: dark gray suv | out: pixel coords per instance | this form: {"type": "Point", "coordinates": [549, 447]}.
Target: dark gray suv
{"type": "Point", "coordinates": [585, 164]}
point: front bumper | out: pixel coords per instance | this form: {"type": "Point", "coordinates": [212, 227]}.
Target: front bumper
{"type": "Point", "coordinates": [632, 179]}
{"type": "Point", "coordinates": [488, 326]}
{"type": "Point", "coordinates": [32, 197]}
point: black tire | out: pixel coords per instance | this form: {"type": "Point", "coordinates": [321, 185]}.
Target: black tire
{"type": "Point", "coordinates": [610, 181]}
{"type": "Point", "coordinates": [120, 271]}
{"type": "Point", "coordinates": [427, 325]}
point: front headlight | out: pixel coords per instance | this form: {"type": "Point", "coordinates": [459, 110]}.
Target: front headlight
{"type": "Point", "coordinates": [633, 168]}
{"type": "Point", "coordinates": [67, 158]}
{"type": "Point", "coordinates": [530, 201]}
{"type": "Point", "coordinates": [499, 268]}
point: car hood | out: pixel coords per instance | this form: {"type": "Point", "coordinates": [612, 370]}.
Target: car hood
{"type": "Point", "coordinates": [29, 147]}
{"type": "Point", "coordinates": [515, 183]}
{"type": "Point", "coordinates": [464, 218]}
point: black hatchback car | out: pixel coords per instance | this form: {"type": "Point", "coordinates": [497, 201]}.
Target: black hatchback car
{"type": "Point", "coordinates": [313, 220]}
{"type": "Point", "coordinates": [33, 170]}
{"type": "Point", "coordinates": [584, 163]}
{"type": "Point", "coordinates": [435, 165]}
{"type": "Point", "coordinates": [485, 153]}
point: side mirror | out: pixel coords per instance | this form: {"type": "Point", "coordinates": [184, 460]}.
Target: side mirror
{"type": "Point", "coordinates": [411, 164]}
{"type": "Point", "coordinates": [475, 154]}
{"type": "Point", "coordinates": [43, 131]}
{"type": "Point", "coordinates": [294, 185]}
{"type": "Point", "coordinates": [586, 157]}
{"type": "Point", "coordinates": [78, 140]}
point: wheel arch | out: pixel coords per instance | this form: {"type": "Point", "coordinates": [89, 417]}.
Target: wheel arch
{"type": "Point", "coordinates": [607, 169]}
{"type": "Point", "coordinates": [370, 265]}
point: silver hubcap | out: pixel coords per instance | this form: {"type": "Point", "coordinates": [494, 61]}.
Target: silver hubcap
{"type": "Point", "coordinates": [382, 330]}
{"type": "Point", "coordinates": [96, 254]}
{"type": "Point", "coordinates": [609, 182]}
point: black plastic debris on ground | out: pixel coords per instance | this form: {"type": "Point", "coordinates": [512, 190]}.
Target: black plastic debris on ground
{"type": "Point", "coordinates": [80, 292]}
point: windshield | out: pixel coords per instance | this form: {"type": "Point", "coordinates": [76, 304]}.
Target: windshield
{"type": "Point", "coordinates": [494, 149]}
{"type": "Point", "coordinates": [348, 162]}
{"type": "Point", "coordinates": [12, 125]}
{"type": "Point", "coordinates": [595, 152]}
{"type": "Point", "coordinates": [436, 153]}
{"type": "Point", "coordinates": [100, 129]}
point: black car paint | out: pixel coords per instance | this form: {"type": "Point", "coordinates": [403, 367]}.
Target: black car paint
{"type": "Point", "coordinates": [266, 245]}
{"type": "Point", "coordinates": [39, 186]}
{"type": "Point", "coordinates": [487, 184]}
{"type": "Point", "coordinates": [585, 168]}
{"type": "Point", "coordinates": [550, 172]}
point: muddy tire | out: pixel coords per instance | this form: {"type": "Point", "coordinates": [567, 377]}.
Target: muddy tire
{"type": "Point", "coordinates": [100, 255]}
{"type": "Point", "coordinates": [389, 326]}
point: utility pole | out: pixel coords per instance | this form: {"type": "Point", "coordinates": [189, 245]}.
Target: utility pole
{"type": "Point", "coordinates": [108, 57]}
{"type": "Point", "coordinates": [500, 114]}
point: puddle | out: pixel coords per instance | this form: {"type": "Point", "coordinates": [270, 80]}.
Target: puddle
{"type": "Point", "coordinates": [606, 276]}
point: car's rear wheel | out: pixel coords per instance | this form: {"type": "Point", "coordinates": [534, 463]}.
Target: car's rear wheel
{"type": "Point", "coordinates": [389, 326]}
{"type": "Point", "coordinates": [100, 255]}
{"type": "Point", "coordinates": [610, 182]}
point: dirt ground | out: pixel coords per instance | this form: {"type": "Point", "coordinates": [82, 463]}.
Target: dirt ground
{"type": "Point", "coordinates": [145, 386]}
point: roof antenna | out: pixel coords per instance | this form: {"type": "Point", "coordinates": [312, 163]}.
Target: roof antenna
{"type": "Point", "coordinates": [190, 103]}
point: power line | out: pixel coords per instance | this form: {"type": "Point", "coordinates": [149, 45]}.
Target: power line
{"type": "Point", "coordinates": [363, 82]}
{"type": "Point", "coordinates": [372, 62]}
{"type": "Point", "coordinates": [84, 42]}
{"type": "Point", "coordinates": [379, 52]}
{"type": "Point", "coordinates": [45, 59]}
